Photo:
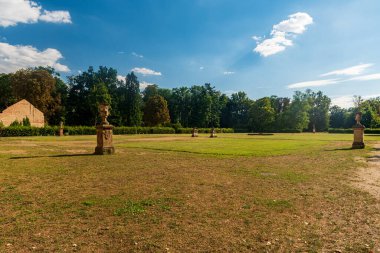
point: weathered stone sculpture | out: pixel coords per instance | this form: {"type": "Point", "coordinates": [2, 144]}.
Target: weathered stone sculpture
{"type": "Point", "coordinates": [213, 133]}
{"type": "Point", "coordinates": [104, 133]}
{"type": "Point", "coordinates": [194, 132]}
{"type": "Point", "coordinates": [358, 133]}
{"type": "Point", "coordinates": [61, 129]}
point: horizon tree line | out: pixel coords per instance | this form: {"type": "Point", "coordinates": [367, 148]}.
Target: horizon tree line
{"type": "Point", "coordinates": [76, 103]}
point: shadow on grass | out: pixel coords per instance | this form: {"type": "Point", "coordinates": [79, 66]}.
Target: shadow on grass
{"type": "Point", "coordinates": [44, 156]}
{"type": "Point", "coordinates": [339, 149]}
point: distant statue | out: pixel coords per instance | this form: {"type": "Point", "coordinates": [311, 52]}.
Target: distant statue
{"type": "Point", "coordinates": [213, 133]}
{"type": "Point", "coordinates": [61, 128]}
{"type": "Point", "coordinates": [194, 132]}
{"type": "Point", "coordinates": [104, 113]}
{"type": "Point", "coordinates": [358, 132]}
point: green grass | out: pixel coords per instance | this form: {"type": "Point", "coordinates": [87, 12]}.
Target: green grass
{"type": "Point", "coordinates": [233, 193]}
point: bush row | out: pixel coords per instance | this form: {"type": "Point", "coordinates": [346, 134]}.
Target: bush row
{"type": "Point", "coordinates": [350, 131]}
{"type": "Point", "coordinates": [13, 131]}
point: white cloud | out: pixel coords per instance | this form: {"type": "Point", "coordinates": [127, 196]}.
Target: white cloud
{"type": "Point", "coordinates": [137, 55]}
{"type": "Point", "coordinates": [315, 83]}
{"type": "Point", "coordinates": [201, 68]}
{"type": "Point", "coordinates": [228, 73]}
{"type": "Point", "coordinates": [366, 77]}
{"type": "Point", "coordinates": [283, 33]}
{"type": "Point", "coordinates": [13, 58]}
{"type": "Point", "coordinates": [351, 71]}
{"type": "Point", "coordinates": [146, 72]}
{"type": "Point", "coordinates": [144, 84]}
{"type": "Point", "coordinates": [346, 101]}
{"type": "Point", "coordinates": [256, 38]}
{"type": "Point", "coordinates": [120, 78]}
{"type": "Point", "coordinates": [27, 11]}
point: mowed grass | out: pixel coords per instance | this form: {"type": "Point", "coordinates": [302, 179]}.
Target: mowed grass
{"type": "Point", "coordinates": [174, 193]}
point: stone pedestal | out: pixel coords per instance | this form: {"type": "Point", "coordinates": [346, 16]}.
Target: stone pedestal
{"type": "Point", "coordinates": [358, 137]}
{"type": "Point", "coordinates": [213, 133]}
{"type": "Point", "coordinates": [194, 132]}
{"type": "Point", "coordinates": [104, 140]}
{"type": "Point", "coordinates": [61, 132]}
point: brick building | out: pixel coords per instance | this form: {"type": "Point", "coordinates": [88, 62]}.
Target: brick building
{"type": "Point", "coordinates": [21, 110]}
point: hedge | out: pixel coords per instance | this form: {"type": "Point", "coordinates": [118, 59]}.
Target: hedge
{"type": "Point", "coordinates": [350, 130]}
{"type": "Point", "coordinates": [87, 130]}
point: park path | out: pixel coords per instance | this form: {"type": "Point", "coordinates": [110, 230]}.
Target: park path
{"type": "Point", "coordinates": [368, 179]}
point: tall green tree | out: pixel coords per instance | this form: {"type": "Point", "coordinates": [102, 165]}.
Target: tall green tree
{"type": "Point", "coordinates": [297, 116]}
{"type": "Point", "coordinates": [156, 111]}
{"type": "Point", "coordinates": [132, 101]}
{"type": "Point", "coordinates": [235, 114]}
{"type": "Point", "coordinates": [319, 110]}
{"type": "Point", "coordinates": [6, 95]}
{"type": "Point", "coordinates": [262, 115]}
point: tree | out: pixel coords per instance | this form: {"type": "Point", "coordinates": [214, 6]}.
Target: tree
{"type": "Point", "coordinates": [150, 91]}
{"type": "Point", "coordinates": [181, 104]}
{"type": "Point", "coordinates": [235, 113]}
{"type": "Point", "coordinates": [296, 117]}
{"type": "Point", "coordinates": [319, 110]}
{"type": "Point", "coordinates": [6, 96]}
{"type": "Point", "coordinates": [156, 111]}
{"type": "Point", "coordinates": [38, 87]}
{"type": "Point", "coordinates": [132, 101]}
{"type": "Point", "coordinates": [262, 115]}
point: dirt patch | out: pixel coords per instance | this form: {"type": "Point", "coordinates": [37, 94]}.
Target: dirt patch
{"type": "Point", "coordinates": [368, 179]}
{"type": "Point", "coordinates": [77, 151]}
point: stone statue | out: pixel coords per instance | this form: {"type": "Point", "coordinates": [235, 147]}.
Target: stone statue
{"type": "Point", "coordinates": [61, 128]}
{"type": "Point", "coordinates": [104, 113]}
{"type": "Point", "coordinates": [213, 133]}
{"type": "Point", "coordinates": [358, 132]}
{"type": "Point", "coordinates": [104, 133]}
{"type": "Point", "coordinates": [194, 132]}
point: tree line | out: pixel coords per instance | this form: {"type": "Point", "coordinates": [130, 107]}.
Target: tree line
{"type": "Point", "coordinates": [76, 103]}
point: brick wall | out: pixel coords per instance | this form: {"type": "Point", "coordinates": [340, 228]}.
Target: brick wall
{"type": "Point", "coordinates": [21, 110]}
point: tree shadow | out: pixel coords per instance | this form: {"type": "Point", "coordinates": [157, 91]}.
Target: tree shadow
{"type": "Point", "coordinates": [45, 156]}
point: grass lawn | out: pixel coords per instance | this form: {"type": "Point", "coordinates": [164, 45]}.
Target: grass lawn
{"type": "Point", "coordinates": [174, 193]}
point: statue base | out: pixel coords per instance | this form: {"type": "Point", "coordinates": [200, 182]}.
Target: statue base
{"type": "Point", "coordinates": [104, 140]}
{"type": "Point", "coordinates": [358, 137]}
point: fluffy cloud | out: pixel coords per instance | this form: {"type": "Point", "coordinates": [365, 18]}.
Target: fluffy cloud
{"type": "Point", "coordinates": [26, 11]}
{"type": "Point", "coordinates": [283, 33]}
{"type": "Point", "coordinates": [146, 72]}
{"type": "Point", "coordinates": [144, 84]}
{"type": "Point", "coordinates": [16, 57]}
{"type": "Point", "coordinates": [228, 73]}
{"type": "Point", "coordinates": [315, 83]}
{"type": "Point", "coordinates": [347, 101]}
{"type": "Point", "coordinates": [351, 71]}
{"type": "Point", "coordinates": [121, 78]}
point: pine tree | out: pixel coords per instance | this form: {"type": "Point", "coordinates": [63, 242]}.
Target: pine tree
{"type": "Point", "coordinates": [133, 101]}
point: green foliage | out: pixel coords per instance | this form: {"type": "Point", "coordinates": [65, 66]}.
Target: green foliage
{"type": "Point", "coordinates": [26, 121]}
{"type": "Point", "coordinates": [16, 123]}
{"type": "Point", "coordinates": [262, 115]}
{"type": "Point", "coordinates": [156, 111]}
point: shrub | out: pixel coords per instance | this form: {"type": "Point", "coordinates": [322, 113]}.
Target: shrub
{"type": "Point", "coordinates": [350, 131]}
{"type": "Point", "coordinates": [26, 121]}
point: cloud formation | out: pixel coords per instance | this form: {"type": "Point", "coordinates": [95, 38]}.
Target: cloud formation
{"type": "Point", "coordinates": [315, 83]}
{"type": "Point", "coordinates": [341, 73]}
{"type": "Point", "coordinates": [146, 72]}
{"type": "Point", "coordinates": [351, 71]}
{"type": "Point", "coordinates": [27, 11]}
{"type": "Point", "coordinates": [283, 33]}
{"type": "Point", "coordinates": [13, 58]}
{"type": "Point", "coordinates": [228, 72]}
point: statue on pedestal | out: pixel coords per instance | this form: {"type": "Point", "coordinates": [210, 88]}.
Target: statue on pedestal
{"type": "Point", "coordinates": [194, 132]}
{"type": "Point", "coordinates": [358, 132]}
{"type": "Point", "coordinates": [104, 133]}
{"type": "Point", "coordinates": [213, 133]}
{"type": "Point", "coordinates": [61, 128]}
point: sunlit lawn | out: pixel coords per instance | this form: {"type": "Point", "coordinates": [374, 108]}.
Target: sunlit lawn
{"type": "Point", "coordinates": [174, 193]}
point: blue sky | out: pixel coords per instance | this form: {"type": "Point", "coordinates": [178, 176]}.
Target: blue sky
{"type": "Point", "coordinates": [261, 47]}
